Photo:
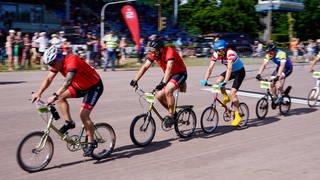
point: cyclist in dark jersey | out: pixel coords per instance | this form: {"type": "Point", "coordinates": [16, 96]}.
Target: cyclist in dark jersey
{"type": "Point", "coordinates": [282, 71]}
{"type": "Point", "coordinates": [175, 74]}
{"type": "Point", "coordinates": [81, 80]}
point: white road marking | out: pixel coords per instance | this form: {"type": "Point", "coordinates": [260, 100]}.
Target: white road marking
{"type": "Point", "coordinates": [258, 95]}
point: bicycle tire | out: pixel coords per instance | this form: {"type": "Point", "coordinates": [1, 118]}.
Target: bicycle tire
{"type": "Point", "coordinates": [148, 123]}
{"type": "Point", "coordinates": [244, 113]}
{"type": "Point", "coordinates": [285, 105]}
{"type": "Point", "coordinates": [262, 108]}
{"type": "Point", "coordinates": [209, 119]}
{"type": "Point", "coordinates": [106, 139]}
{"type": "Point", "coordinates": [312, 97]}
{"type": "Point", "coordinates": [23, 152]}
{"type": "Point", "coordinates": [185, 127]}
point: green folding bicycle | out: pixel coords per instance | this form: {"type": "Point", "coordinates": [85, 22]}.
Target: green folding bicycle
{"type": "Point", "coordinates": [35, 151]}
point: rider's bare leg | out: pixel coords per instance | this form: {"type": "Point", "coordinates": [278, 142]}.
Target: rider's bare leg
{"type": "Point", "coordinates": [64, 105]}
{"type": "Point", "coordinates": [166, 98]}
{"type": "Point", "coordinates": [88, 124]}
{"type": "Point", "coordinates": [235, 100]}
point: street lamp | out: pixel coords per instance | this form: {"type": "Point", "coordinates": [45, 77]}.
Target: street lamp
{"type": "Point", "coordinates": [103, 12]}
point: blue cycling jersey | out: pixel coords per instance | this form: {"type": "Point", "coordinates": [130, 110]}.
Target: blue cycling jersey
{"type": "Point", "coordinates": [281, 55]}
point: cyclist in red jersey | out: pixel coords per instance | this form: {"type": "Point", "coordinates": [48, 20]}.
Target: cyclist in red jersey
{"type": "Point", "coordinates": [81, 80]}
{"type": "Point", "coordinates": [175, 75]}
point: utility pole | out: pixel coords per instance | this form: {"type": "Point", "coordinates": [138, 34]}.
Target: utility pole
{"type": "Point", "coordinates": [269, 23]}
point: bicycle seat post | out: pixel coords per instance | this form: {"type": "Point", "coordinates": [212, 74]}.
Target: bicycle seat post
{"type": "Point", "coordinates": [176, 95]}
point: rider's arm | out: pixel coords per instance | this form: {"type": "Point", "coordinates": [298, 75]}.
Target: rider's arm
{"type": "Point", "coordinates": [281, 68]}
{"type": "Point", "coordinates": [167, 73]}
{"type": "Point", "coordinates": [263, 66]}
{"type": "Point", "coordinates": [45, 84]}
{"type": "Point", "coordinates": [67, 82]}
{"type": "Point", "coordinates": [314, 62]}
{"type": "Point", "coordinates": [229, 70]}
{"type": "Point", "coordinates": [209, 70]}
{"type": "Point", "coordinates": [143, 69]}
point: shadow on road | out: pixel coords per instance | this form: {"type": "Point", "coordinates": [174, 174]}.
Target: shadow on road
{"type": "Point", "coordinates": [132, 150]}
{"type": "Point", "coordinates": [67, 164]}
{"type": "Point", "coordinates": [129, 151]}
{"type": "Point", "coordinates": [11, 82]}
{"type": "Point", "coordinates": [301, 111]}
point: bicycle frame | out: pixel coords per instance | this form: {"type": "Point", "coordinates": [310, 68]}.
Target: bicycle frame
{"type": "Point", "coordinates": [216, 99]}
{"type": "Point", "coordinates": [154, 109]}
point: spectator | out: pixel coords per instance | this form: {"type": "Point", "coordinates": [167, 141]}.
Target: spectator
{"type": "Point", "coordinates": [257, 49]}
{"type": "Point", "coordinates": [17, 50]}
{"type": "Point", "coordinates": [26, 56]}
{"type": "Point", "coordinates": [35, 48]}
{"type": "Point", "coordinates": [95, 50]}
{"type": "Point", "coordinates": [178, 45]}
{"type": "Point", "coordinates": [55, 41]}
{"type": "Point", "coordinates": [122, 46]}
{"type": "Point", "coordinates": [2, 47]}
{"type": "Point", "coordinates": [294, 48]}
{"type": "Point", "coordinates": [301, 49]}
{"type": "Point", "coordinates": [141, 51]}
{"type": "Point", "coordinates": [311, 49]}
{"type": "Point", "coordinates": [61, 36]}
{"type": "Point", "coordinates": [89, 42]}
{"type": "Point", "coordinates": [111, 44]}
{"type": "Point", "coordinates": [43, 44]}
{"type": "Point", "coordinates": [9, 48]}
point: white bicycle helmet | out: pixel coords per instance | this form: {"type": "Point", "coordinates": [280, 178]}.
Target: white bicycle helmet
{"type": "Point", "coordinates": [51, 55]}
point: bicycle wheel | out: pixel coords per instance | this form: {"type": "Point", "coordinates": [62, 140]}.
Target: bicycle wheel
{"type": "Point", "coordinates": [285, 106]}
{"type": "Point", "coordinates": [262, 108]}
{"type": "Point", "coordinates": [186, 122]}
{"type": "Point", "coordinates": [30, 156]}
{"type": "Point", "coordinates": [142, 130]}
{"type": "Point", "coordinates": [244, 113]}
{"type": "Point", "coordinates": [209, 119]}
{"type": "Point", "coordinates": [312, 97]}
{"type": "Point", "coordinates": [106, 138]}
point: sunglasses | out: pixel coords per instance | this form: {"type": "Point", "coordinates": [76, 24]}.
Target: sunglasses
{"type": "Point", "coordinates": [220, 50]}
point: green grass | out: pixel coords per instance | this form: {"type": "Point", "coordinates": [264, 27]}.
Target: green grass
{"type": "Point", "coordinates": [132, 63]}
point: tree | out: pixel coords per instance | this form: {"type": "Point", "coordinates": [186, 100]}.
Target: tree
{"type": "Point", "coordinates": [307, 22]}
{"type": "Point", "coordinates": [204, 16]}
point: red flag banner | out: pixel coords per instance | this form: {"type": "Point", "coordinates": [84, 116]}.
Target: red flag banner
{"type": "Point", "coordinates": [130, 16]}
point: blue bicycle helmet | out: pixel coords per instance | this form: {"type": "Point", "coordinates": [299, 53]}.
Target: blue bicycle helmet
{"type": "Point", "coordinates": [221, 44]}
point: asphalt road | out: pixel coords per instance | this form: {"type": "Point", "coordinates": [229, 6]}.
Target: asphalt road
{"type": "Point", "coordinates": [279, 147]}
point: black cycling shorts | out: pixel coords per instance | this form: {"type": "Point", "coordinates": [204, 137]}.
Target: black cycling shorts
{"type": "Point", "coordinates": [286, 72]}
{"type": "Point", "coordinates": [238, 77]}
{"type": "Point", "coordinates": [90, 96]}
{"type": "Point", "coordinates": [178, 79]}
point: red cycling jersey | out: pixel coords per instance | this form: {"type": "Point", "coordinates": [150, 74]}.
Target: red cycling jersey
{"type": "Point", "coordinates": [85, 76]}
{"type": "Point", "coordinates": [169, 54]}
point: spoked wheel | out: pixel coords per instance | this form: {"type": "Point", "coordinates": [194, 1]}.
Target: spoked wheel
{"type": "Point", "coordinates": [244, 113]}
{"type": "Point", "coordinates": [142, 130]}
{"type": "Point", "coordinates": [209, 119]}
{"type": "Point", "coordinates": [313, 97]}
{"type": "Point", "coordinates": [106, 139]}
{"type": "Point", "coordinates": [33, 154]}
{"type": "Point", "coordinates": [262, 108]}
{"type": "Point", "coordinates": [186, 122]}
{"type": "Point", "coordinates": [285, 106]}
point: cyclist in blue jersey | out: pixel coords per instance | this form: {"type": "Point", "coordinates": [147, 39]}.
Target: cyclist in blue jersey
{"type": "Point", "coordinates": [235, 70]}
{"type": "Point", "coordinates": [283, 70]}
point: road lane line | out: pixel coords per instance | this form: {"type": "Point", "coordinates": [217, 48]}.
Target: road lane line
{"type": "Point", "coordinates": [259, 95]}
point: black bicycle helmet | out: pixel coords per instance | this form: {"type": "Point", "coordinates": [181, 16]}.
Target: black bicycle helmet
{"type": "Point", "coordinates": [156, 43]}
{"type": "Point", "coordinates": [271, 47]}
